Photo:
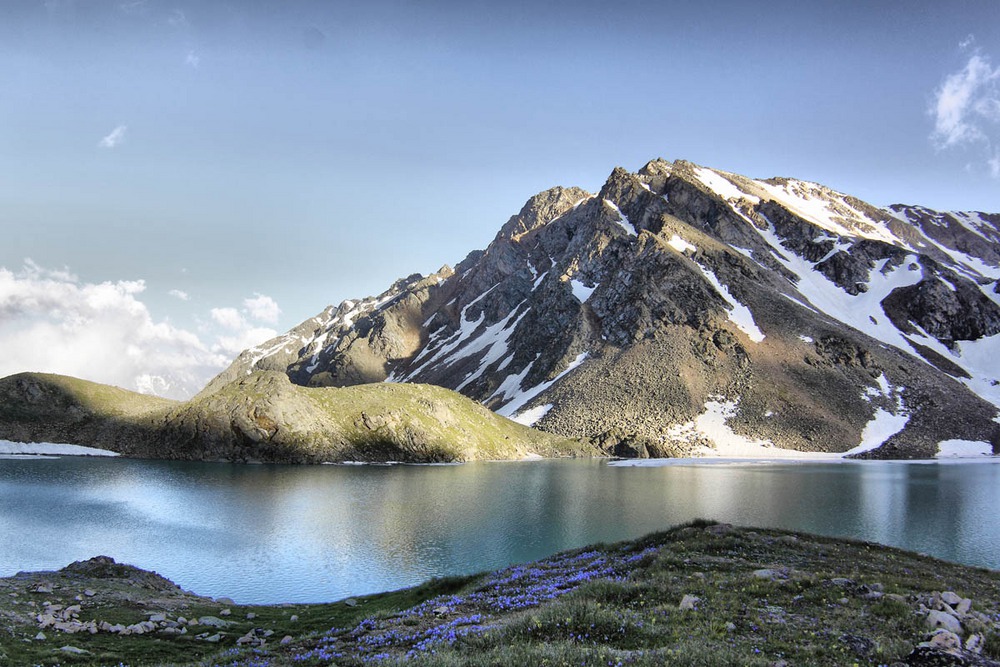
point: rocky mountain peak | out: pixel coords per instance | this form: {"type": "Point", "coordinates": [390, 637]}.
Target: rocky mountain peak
{"type": "Point", "coordinates": [686, 309]}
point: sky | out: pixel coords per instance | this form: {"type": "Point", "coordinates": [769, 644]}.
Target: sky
{"type": "Point", "coordinates": [182, 179]}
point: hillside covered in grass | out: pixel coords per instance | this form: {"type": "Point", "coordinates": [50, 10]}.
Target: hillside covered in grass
{"type": "Point", "coordinates": [264, 417]}
{"type": "Point", "coordinates": [700, 594]}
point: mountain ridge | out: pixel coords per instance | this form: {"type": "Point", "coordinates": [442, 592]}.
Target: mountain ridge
{"type": "Point", "coordinates": [682, 308]}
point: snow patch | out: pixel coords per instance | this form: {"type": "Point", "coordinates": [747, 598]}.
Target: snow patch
{"type": "Point", "coordinates": [622, 221]}
{"type": "Point", "coordinates": [806, 339]}
{"type": "Point", "coordinates": [882, 426]}
{"type": "Point", "coordinates": [963, 449]}
{"type": "Point", "coordinates": [680, 245]}
{"type": "Point", "coordinates": [511, 387]}
{"type": "Point", "coordinates": [581, 291]}
{"type": "Point", "coordinates": [721, 185]}
{"type": "Point", "coordinates": [9, 448]}
{"type": "Point", "coordinates": [530, 416]}
{"type": "Point", "coordinates": [738, 314]}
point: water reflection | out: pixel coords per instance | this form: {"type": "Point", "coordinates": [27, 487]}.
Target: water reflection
{"type": "Point", "coordinates": [288, 533]}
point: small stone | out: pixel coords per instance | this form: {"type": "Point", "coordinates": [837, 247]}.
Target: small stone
{"type": "Point", "coordinates": [963, 607]}
{"type": "Point", "coordinates": [843, 601]}
{"type": "Point", "coordinates": [181, 620]}
{"type": "Point", "coordinates": [974, 644]}
{"type": "Point", "coordinates": [768, 573]}
{"type": "Point", "coordinates": [939, 619]}
{"type": "Point", "coordinates": [896, 597]}
{"type": "Point", "coordinates": [78, 598]}
{"type": "Point", "coordinates": [287, 639]}
{"type": "Point", "coordinates": [40, 636]}
{"type": "Point", "coordinates": [689, 602]}
{"type": "Point", "coordinates": [842, 582]}
{"type": "Point", "coordinates": [351, 602]}
{"type": "Point", "coordinates": [43, 588]}
{"type": "Point", "coordinates": [73, 650]}
{"type": "Point", "coordinates": [730, 627]}
{"type": "Point", "coordinates": [212, 622]}
{"type": "Point", "coordinates": [89, 593]}
{"type": "Point", "coordinates": [441, 611]}
{"type": "Point", "coordinates": [225, 601]}
{"type": "Point", "coordinates": [294, 618]}
{"type": "Point", "coordinates": [951, 598]}
{"type": "Point", "coordinates": [157, 617]}
{"type": "Point", "coordinates": [225, 612]}
{"type": "Point", "coordinates": [214, 639]}
{"type": "Point", "coordinates": [251, 616]}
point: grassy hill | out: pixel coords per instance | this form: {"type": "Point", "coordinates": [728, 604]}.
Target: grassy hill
{"type": "Point", "coordinates": [263, 417]}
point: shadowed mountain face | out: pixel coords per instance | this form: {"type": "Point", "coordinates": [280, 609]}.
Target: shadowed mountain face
{"type": "Point", "coordinates": [684, 308]}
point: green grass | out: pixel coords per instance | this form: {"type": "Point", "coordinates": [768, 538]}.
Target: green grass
{"type": "Point", "coordinates": [611, 604]}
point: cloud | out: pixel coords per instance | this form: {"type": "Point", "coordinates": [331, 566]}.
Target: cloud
{"type": "Point", "coordinates": [179, 294]}
{"type": "Point", "coordinates": [262, 308]}
{"type": "Point", "coordinates": [50, 321]}
{"type": "Point", "coordinates": [229, 318]}
{"type": "Point", "coordinates": [114, 138]}
{"type": "Point", "coordinates": [966, 108]}
{"type": "Point", "coordinates": [192, 59]}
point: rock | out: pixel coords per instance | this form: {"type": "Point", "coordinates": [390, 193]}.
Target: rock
{"type": "Point", "coordinates": [719, 529]}
{"type": "Point", "coordinates": [225, 612]}
{"type": "Point", "coordinates": [730, 627]}
{"type": "Point", "coordinates": [72, 610]}
{"type": "Point", "coordinates": [73, 650]}
{"type": "Point", "coordinates": [294, 618]}
{"type": "Point", "coordinates": [225, 601]}
{"type": "Point", "coordinates": [951, 598]}
{"type": "Point", "coordinates": [351, 602]}
{"type": "Point", "coordinates": [212, 622]}
{"type": "Point", "coordinates": [89, 593]}
{"type": "Point", "coordinates": [441, 611]}
{"type": "Point", "coordinates": [251, 616]}
{"type": "Point", "coordinates": [771, 574]}
{"type": "Point", "coordinates": [43, 588]}
{"type": "Point", "coordinates": [287, 639]}
{"type": "Point", "coordinates": [842, 582]}
{"type": "Point", "coordinates": [689, 602]}
{"type": "Point", "coordinates": [963, 607]}
{"type": "Point", "coordinates": [944, 640]}
{"type": "Point", "coordinates": [214, 639]}
{"type": "Point", "coordinates": [157, 617]}
{"type": "Point", "coordinates": [940, 619]}
{"type": "Point", "coordinates": [40, 636]}
{"type": "Point", "coordinates": [974, 644]}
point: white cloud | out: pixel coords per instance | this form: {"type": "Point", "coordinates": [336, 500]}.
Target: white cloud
{"type": "Point", "coordinates": [262, 308]}
{"type": "Point", "coordinates": [229, 318]}
{"type": "Point", "coordinates": [179, 294]}
{"type": "Point", "coordinates": [192, 59]}
{"type": "Point", "coordinates": [114, 138]}
{"type": "Point", "coordinates": [52, 322]}
{"type": "Point", "coordinates": [966, 107]}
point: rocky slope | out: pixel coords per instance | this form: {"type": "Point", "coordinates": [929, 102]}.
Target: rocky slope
{"type": "Point", "coordinates": [689, 310]}
{"type": "Point", "coordinates": [264, 417]}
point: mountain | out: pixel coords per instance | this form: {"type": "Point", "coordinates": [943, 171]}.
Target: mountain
{"type": "Point", "coordinates": [685, 310]}
{"type": "Point", "coordinates": [264, 417]}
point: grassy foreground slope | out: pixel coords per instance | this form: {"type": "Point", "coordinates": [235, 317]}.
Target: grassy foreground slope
{"type": "Point", "coordinates": [700, 594]}
{"type": "Point", "coordinates": [264, 417]}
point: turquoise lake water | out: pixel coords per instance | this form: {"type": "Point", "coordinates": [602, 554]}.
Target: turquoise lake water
{"type": "Point", "coordinates": [263, 533]}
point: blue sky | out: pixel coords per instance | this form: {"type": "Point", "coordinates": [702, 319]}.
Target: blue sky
{"type": "Point", "coordinates": [181, 179]}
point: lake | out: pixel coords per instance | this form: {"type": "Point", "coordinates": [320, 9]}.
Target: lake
{"type": "Point", "coordinates": [268, 533]}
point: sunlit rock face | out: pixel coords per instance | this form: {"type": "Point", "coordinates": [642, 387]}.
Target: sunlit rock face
{"type": "Point", "coordinates": [686, 310]}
